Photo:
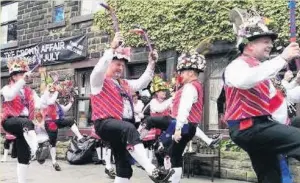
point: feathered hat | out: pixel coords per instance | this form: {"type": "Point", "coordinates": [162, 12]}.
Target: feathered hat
{"type": "Point", "coordinates": [158, 84]}
{"type": "Point", "coordinates": [249, 25]}
{"type": "Point", "coordinates": [17, 65]}
{"type": "Point", "coordinates": [122, 53]}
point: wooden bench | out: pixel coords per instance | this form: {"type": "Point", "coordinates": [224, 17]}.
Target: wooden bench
{"type": "Point", "coordinates": [202, 153]}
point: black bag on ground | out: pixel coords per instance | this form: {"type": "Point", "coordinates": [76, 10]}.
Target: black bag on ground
{"type": "Point", "coordinates": [80, 153]}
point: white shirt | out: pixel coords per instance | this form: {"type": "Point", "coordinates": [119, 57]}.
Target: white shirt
{"type": "Point", "coordinates": [289, 85]}
{"type": "Point", "coordinates": [189, 96]}
{"type": "Point", "coordinates": [138, 108]}
{"type": "Point", "coordinates": [50, 99]}
{"type": "Point", "coordinates": [98, 76]}
{"type": "Point", "coordinates": [10, 92]}
{"type": "Point", "coordinates": [41, 133]}
{"type": "Point", "coordinates": [158, 107]}
{"type": "Point", "coordinates": [240, 75]}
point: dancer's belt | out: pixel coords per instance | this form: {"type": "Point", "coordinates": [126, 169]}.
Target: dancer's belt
{"type": "Point", "coordinates": [248, 122]}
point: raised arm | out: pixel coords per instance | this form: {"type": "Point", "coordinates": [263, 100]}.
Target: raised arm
{"type": "Point", "coordinates": [146, 78]}
{"type": "Point", "coordinates": [240, 75]}
{"type": "Point", "coordinates": [98, 73]}
{"type": "Point", "coordinates": [10, 92]}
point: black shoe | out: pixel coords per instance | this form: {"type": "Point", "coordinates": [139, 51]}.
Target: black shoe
{"type": "Point", "coordinates": [99, 162]}
{"type": "Point", "coordinates": [56, 167]}
{"type": "Point", "coordinates": [82, 140]}
{"type": "Point", "coordinates": [161, 175]}
{"type": "Point", "coordinates": [216, 140]}
{"type": "Point", "coordinates": [110, 172]}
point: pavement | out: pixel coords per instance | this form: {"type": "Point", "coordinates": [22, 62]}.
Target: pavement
{"type": "Point", "coordinates": [89, 173]}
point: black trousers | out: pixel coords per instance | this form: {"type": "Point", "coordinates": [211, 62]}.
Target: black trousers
{"type": "Point", "coordinates": [264, 141]}
{"type": "Point", "coordinates": [120, 135]}
{"type": "Point", "coordinates": [61, 123]}
{"type": "Point", "coordinates": [174, 150]}
{"type": "Point", "coordinates": [17, 126]}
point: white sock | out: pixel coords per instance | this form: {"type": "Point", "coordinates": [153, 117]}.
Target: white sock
{"type": "Point", "coordinates": [53, 154]}
{"type": "Point", "coordinates": [121, 180]}
{"type": "Point", "coordinates": [167, 162]}
{"type": "Point", "coordinates": [191, 146]}
{"type": "Point", "coordinates": [150, 151]}
{"type": "Point", "coordinates": [140, 155]}
{"type": "Point", "coordinates": [76, 131]}
{"type": "Point", "coordinates": [175, 178]}
{"type": "Point", "coordinates": [107, 155]}
{"type": "Point", "coordinates": [22, 172]}
{"type": "Point", "coordinates": [4, 157]}
{"type": "Point", "coordinates": [201, 135]}
{"type": "Point", "coordinates": [98, 150]}
{"type": "Point", "coordinates": [31, 140]}
{"type": "Point", "coordinates": [11, 146]}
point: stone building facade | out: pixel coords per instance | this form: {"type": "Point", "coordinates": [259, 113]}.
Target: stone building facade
{"type": "Point", "coordinates": [50, 25]}
{"type": "Point", "coordinates": [54, 27]}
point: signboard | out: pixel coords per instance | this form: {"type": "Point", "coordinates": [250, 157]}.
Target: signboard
{"type": "Point", "coordinates": [52, 52]}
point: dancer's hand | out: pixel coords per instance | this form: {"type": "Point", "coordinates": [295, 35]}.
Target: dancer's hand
{"type": "Point", "coordinates": [177, 135]}
{"type": "Point", "coordinates": [116, 41]}
{"type": "Point", "coordinates": [152, 58]}
{"type": "Point", "coordinates": [290, 52]}
{"type": "Point", "coordinates": [288, 75]}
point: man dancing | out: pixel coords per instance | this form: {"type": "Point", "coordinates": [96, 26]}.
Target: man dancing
{"type": "Point", "coordinates": [18, 108]}
{"type": "Point", "coordinates": [248, 91]}
{"type": "Point", "coordinates": [113, 114]}
{"type": "Point", "coordinates": [54, 119]}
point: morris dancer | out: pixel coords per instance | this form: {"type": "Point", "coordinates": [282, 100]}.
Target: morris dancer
{"type": "Point", "coordinates": [54, 119]}
{"type": "Point", "coordinates": [18, 112]}
{"type": "Point", "coordinates": [249, 102]}
{"type": "Point", "coordinates": [162, 108]}
{"type": "Point", "coordinates": [186, 109]}
{"type": "Point", "coordinates": [113, 114]}
{"type": "Point", "coordinates": [159, 106]}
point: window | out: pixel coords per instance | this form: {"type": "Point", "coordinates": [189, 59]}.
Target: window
{"type": "Point", "coordinates": [58, 11]}
{"type": "Point", "coordinates": [4, 81]}
{"type": "Point", "coordinates": [83, 104]}
{"type": "Point", "coordinates": [9, 13]}
{"type": "Point", "coordinates": [90, 6]}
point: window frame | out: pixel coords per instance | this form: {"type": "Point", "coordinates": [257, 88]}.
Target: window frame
{"type": "Point", "coordinates": [12, 43]}
{"type": "Point", "coordinates": [78, 74]}
{"type": "Point", "coordinates": [53, 12]}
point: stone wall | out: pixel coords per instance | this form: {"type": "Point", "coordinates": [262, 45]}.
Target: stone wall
{"type": "Point", "coordinates": [35, 25]}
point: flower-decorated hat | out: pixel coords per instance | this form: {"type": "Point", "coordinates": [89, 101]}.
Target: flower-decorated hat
{"type": "Point", "coordinates": [249, 25]}
{"type": "Point", "coordinates": [193, 61]}
{"type": "Point", "coordinates": [158, 84]}
{"type": "Point", "coordinates": [122, 53]}
{"type": "Point", "coordinates": [17, 65]}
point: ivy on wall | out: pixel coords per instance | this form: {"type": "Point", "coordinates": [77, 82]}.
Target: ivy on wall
{"type": "Point", "coordinates": [182, 24]}
{"type": "Point", "coordinates": [229, 145]}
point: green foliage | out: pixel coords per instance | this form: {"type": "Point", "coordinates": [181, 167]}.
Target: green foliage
{"type": "Point", "coordinates": [229, 145]}
{"type": "Point", "coordinates": [183, 24]}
